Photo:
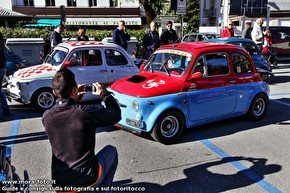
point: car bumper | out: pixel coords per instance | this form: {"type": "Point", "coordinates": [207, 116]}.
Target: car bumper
{"type": "Point", "coordinates": [128, 129]}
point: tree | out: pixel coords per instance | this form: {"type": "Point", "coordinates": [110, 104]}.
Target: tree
{"type": "Point", "coordinates": [192, 15]}
{"type": "Point", "coordinates": [152, 8]}
{"type": "Point", "coordinates": [155, 7]}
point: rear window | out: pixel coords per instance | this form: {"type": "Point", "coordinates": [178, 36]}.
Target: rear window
{"type": "Point", "coordinates": [241, 64]}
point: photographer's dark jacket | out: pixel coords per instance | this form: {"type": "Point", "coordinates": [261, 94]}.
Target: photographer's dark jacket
{"type": "Point", "coordinates": [71, 129]}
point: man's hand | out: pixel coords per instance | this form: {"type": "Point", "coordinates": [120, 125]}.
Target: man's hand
{"type": "Point", "coordinates": [81, 91]}
{"type": "Point", "coordinates": [98, 87]}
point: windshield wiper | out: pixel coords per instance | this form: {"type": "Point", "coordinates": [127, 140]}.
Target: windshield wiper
{"type": "Point", "coordinates": [163, 65]}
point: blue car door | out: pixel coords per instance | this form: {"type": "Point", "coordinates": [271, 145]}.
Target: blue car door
{"type": "Point", "coordinates": [215, 93]}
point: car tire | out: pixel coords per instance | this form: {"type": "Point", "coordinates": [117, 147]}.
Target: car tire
{"type": "Point", "coordinates": [258, 108]}
{"type": "Point", "coordinates": [168, 127]}
{"type": "Point", "coordinates": [43, 99]}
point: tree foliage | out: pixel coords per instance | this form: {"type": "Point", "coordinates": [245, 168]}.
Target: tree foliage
{"type": "Point", "coordinates": [155, 7]}
{"type": "Point", "coordinates": [152, 8]}
{"type": "Point", "coordinates": [192, 15]}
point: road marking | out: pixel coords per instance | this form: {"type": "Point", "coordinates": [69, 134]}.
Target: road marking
{"type": "Point", "coordinates": [13, 132]}
{"type": "Point", "coordinates": [238, 165]}
{"type": "Point", "coordinates": [283, 103]}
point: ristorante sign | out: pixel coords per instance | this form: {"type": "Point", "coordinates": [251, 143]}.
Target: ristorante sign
{"type": "Point", "coordinates": [102, 21]}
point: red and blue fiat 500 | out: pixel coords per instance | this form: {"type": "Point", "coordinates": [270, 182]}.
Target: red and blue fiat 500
{"type": "Point", "coordinates": [190, 84]}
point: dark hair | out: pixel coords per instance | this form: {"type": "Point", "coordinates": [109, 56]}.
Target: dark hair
{"type": "Point", "coordinates": [122, 21]}
{"type": "Point", "coordinates": [169, 22]}
{"type": "Point", "coordinates": [63, 83]}
{"type": "Point", "coordinates": [61, 26]}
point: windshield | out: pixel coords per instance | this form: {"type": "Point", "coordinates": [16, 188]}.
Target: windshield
{"type": "Point", "coordinates": [172, 62]}
{"type": "Point", "coordinates": [56, 56]}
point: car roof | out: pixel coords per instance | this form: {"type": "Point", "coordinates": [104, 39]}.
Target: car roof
{"type": "Point", "coordinates": [189, 46]}
{"type": "Point", "coordinates": [201, 33]}
{"type": "Point", "coordinates": [279, 27]}
{"type": "Point", "coordinates": [86, 44]}
{"type": "Point", "coordinates": [232, 39]}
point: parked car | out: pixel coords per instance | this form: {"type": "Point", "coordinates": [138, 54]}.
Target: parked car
{"type": "Point", "coordinates": [197, 37]}
{"type": "Point", "coordinates": [250, 47]}
{"type": "Point", "coordinates": [13, 63]}
{"type": "Point", "coordinates": [190, 84]}
{"type": "Point", "coordinates": [90, 61]}
{"type": "Point", "coordinates": [281, 41]}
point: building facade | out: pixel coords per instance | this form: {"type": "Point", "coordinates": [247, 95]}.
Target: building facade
{"type": "Point", "coordinates": [212, 14]}
{"type": "Point", "coordinates": [89, 13]}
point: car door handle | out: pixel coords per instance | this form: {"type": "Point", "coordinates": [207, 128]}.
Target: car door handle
{"type": "Point", "coordinates": [103, 71]}
{"type": "Point", "coordinates": [232, 81]}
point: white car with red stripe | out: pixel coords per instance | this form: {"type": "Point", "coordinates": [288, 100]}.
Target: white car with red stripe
{"type": "Point", "coordinates": [91, 61]}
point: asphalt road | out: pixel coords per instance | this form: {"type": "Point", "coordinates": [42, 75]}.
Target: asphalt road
{"type": "Point", "coordinates": [235, 155]}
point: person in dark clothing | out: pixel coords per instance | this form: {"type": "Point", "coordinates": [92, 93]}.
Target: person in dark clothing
{"type": "Point", "coordinates": [151, 40]}
{"type": "Point", "coordinates": [120, 35]}
{"type": "Point", "coordinates": [71, 127]}
{"type": "Point", "coordinates": [81, 35]}
{"type": "Point", "coordinates": [247, 31]}
{"type": "Point", "coordinates": [4, 108]}
{"type": "Point", "coordinates": [169, 35]}
{"type": "Point", "coordinates": [55, 37]}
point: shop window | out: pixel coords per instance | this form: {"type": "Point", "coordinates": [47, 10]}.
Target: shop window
{"type": "Point", "coordinates": [50, 2]}
{"type": "Point", "coordinates": [28, 3]}
{"type": "Point", "coordinates": [93, 3]}
{"type": "Point", "coordinates": [71, 3]}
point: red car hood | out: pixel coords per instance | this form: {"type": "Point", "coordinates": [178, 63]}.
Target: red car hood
{"type": "Point", "coordinates": [147, 85]}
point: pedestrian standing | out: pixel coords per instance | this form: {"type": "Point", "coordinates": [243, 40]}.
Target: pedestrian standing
{"type": "Point", "coordinates": [81, 35]}
{"type": "Point", "coordinates": [55, 37]}
{"type": "Point", "coordinates": [4, 108]}
{"type": "Point", "coordinates": [71, 128]}
{"type": "Point", "coordinates": [169, 35]}
{"type": "Point", "coordinates": [120, 35]}
{"type": "Point", "coordinates": [228, 31]}
{"type": "Point", "coordinates": [267, 43]}
{"type": "Point", "coordinates": [247, 31]}
{"type": "Point", "coordinates": [257, 33]}
{"type": "Point", "coordinates": [151, 40]}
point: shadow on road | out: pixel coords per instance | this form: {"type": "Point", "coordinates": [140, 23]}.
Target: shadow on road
{"type": "Point", "coordinates": [28, 137]}
{"type": "Point", "coordinates": [200, 179]}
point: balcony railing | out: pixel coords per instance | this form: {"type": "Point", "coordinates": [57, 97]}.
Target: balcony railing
{"type": "Point", "coordinates": [75, 11]}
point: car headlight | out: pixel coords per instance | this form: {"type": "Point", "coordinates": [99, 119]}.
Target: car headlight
{"type": "Point", "coordinates": [135, 106]}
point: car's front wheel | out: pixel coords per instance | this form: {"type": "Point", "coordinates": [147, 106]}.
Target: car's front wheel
{"type": "Point", "coordinates": [43, 99]}
{"type": "Point", "coordinates": [259, 107]}
{"type": "Point", "coordinates": [169, 127]}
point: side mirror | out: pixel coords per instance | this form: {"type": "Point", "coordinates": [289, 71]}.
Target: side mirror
{"type": "Point", "coordinates": [142, 67]}
{"type": "Point", "coordinates": [196, 75]}
{"type": "Point", "coordinates": [67, 64]}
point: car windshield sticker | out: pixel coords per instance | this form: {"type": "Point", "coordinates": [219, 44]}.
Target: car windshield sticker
{"type": "Point", "coordinates": [153, 83]}
{"type": "Point", "coordinates": [61, 49]}
{"type": "Point", "coordinates": [34, 70]}
{"type": "Point", "coordinates": [178, 52]}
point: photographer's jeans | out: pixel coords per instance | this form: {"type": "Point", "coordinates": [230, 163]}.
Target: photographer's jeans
{"type": "Point", "coordinates": [4, 108]}
{"type": "Point", "coordinates": [108, 158]}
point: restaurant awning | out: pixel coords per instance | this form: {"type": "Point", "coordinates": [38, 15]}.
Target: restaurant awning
{"type": "Point", "coordinates": [44, 23]}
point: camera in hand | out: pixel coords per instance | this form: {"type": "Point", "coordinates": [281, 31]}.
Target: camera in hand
{"type": "Point", "coordinates": [90, 88]}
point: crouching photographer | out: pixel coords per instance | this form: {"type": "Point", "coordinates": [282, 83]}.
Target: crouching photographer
{"type": "Point", "coordinates": [70, 127]}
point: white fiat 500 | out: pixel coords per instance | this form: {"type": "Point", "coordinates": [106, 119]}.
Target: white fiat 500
{"type": "Point", "coordinates": [91, 61]}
